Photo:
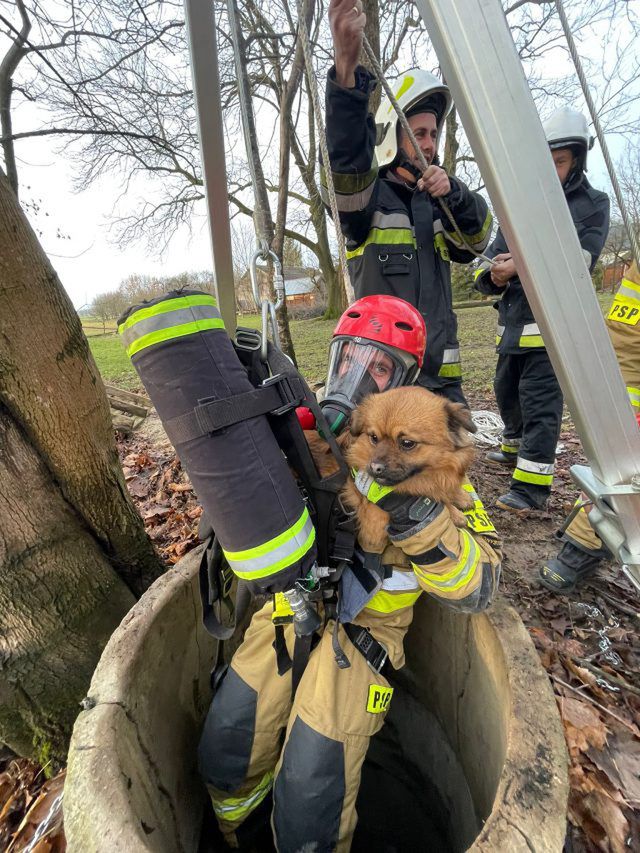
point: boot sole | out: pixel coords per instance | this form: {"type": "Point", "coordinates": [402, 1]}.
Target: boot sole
{"type": "Point", "coordinates": [523, 513]}
{"type": "Point", "coordinates": [500, 464]}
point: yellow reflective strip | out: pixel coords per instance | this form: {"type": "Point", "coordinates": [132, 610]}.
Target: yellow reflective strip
{"type": "Point", "coordinates": [449, 370]}
{"type": "Point", "coordinates": [634, 396]}
{"type": "Point", "coordinates": [626, 282]}
{"type": "Point", "coordinates": [387, 602]}
{"type": "Point", "coordinates": [529, 477]}
{"type": "Point", "coordinates": [177, 304]}
{"type": "Point", "coordinates": [442, 588]}
{"type": "Point", "coordinates": [377, 492]}
{"type": "Point", "coordinates": [272, 544]}
{"type": "Point", "coordinates": [391, 236]}
{"type": "Point", "coordinates": [440, 243]}
{"type": "Point", "coordinates": [531, 341]}
{"type": "Point", "coordinates": [173, 332]}
{"type": "Point", "coordinates": [349, 184]}
{"type": "Point", "coordinates": [281, 564]}
{"type": "Point", "coordinates": [406, 84]}
{"type": "Point", "coordinates": [469, 541]}
{"type": "Point", "coordinates": [498, 339]}
{"type": "Point", "coordinates": [234, 808]}
{"type": "Point", "coordinates": [482, 233]}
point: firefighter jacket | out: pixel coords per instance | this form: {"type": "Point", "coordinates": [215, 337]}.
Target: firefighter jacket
{"type": "Point", "coordinates": [398, 240]}
{"type": "Point", "coordinates": [460, 567]}
{"type": "Point", "coordinates": [623, 323]}
{"type": "Point", "coordinates": [517, 329]}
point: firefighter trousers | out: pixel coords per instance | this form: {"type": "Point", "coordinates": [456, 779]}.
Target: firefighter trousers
{"type": "Point", "coordinates": [309, 751]}
{"type": "Point", "coordinates": [530, 402]}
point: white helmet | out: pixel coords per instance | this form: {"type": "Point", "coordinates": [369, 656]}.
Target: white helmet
{"type": "Point", "coordinates": [415, 88]}
{"type": "Point", "coordinates": [567, 128]}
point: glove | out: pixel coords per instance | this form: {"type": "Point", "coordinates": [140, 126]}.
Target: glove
{"type": "Point", "coordinates": [408, 514]}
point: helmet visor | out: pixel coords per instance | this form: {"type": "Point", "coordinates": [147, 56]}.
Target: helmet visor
{"type": "Point", "coordinates": [359, 368]}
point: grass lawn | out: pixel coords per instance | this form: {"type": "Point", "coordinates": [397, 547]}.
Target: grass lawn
{"type": "Point", "coordinates": [476, 330]}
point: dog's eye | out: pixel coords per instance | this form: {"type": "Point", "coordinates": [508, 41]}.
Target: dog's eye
{"type": "Point", "coordinates": [373, 437]}
{"type": "Point", "coordinates": [406, 444]}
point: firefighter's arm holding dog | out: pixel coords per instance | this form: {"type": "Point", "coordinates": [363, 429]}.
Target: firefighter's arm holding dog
{"type": "Point", "coordinates": [458, 566]}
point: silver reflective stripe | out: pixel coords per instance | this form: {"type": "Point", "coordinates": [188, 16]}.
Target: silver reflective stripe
{"type": "Point", "coordinates": [530, 329]}
{"type": "Point", "coordinates": [628, 293]}
{"type": "Point", "coordinates": [587, 257]}
{"type": "Point", "coordinates": [363, 482]}
{"type": "Point", "coordinates": [500, 331]}
{"type": "Point", "coordinates": [451, 356]}
{"type": "Point", "coordinates": [274, 558]}
{"type": "Point", "coordinates": [390, 220]}
{"type": "Point", "coordinates": [400, 581]}
{"type": "Point", "coordinates": [169, 319]}
{"type": "Point", "coordinates": [512, 442]}
{"type": "Point", "coordinates": [349, 203]}
{"type": "Point", "coordinates": [535, 467]}
{"type": "Point", "coordinates": [438, 227]}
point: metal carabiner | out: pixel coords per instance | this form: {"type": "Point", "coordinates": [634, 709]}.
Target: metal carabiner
{"type": "Point", "coordinates": [267, 308]}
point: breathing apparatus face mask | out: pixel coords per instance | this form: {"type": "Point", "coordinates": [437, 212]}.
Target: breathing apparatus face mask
{"type": "Point", "coordinates": [358, 368]}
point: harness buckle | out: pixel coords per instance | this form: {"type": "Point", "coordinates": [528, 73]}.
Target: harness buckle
{"type": "Point", "coordinates": [226, 580]}
{"type": "Point", "coordinates": [290, 390]}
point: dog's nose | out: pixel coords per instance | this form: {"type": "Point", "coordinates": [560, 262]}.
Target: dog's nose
{"type": "Point", "coordinates": [377, 468]}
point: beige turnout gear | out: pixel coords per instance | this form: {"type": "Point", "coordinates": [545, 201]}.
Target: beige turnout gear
{"type": "Point", "coordinates": [623, 323]}
{"type": "Point", "coordinates": [315, 771]}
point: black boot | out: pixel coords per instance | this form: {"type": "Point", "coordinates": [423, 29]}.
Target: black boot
{"type": "Point", "coordinates": [498, 457]}
{"type": "Point", "coordinates": [572, 565]}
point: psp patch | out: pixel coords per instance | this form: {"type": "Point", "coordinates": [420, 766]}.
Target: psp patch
{"type": "Point", "coordinates": [379, 698]}
{"type": "Point", "coordinates": [625, 311]}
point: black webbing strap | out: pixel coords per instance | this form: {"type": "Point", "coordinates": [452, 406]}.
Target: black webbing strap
{"type": "Point", "coordinates": [371, 650]}
{"type": "Point", "coordinates": [216, 579]}
{"type": "Point", "coordinates": [301, 652]}
{"type": "Point", "coordinates": [277, 395]}
{"type": "Point", "coordinates": [283, 659]}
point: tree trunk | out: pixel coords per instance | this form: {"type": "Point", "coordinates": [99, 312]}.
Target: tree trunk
{"type": "Point", "coordinates": [73, 551]}
{"type": "Point", "coordinates": [60, 600]}
{"type": "Point", "coordinates": [451, 143]}
{"type": "Point", "coordinates": [372, 32]}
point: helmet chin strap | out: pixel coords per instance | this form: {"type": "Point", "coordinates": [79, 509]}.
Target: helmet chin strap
{"type": "Point", "coordinates": [405, 169]}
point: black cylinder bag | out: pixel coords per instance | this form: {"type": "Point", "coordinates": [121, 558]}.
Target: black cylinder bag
{"type": "Point", "coordinates": [186, 362]}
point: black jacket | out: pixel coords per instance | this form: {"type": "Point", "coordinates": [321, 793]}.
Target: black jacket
{"type": "Point", "coordinates": [517, 329]}
{"type": "Point", "coordinates": [398, 240]}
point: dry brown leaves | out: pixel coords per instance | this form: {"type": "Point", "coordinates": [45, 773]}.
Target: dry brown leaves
{"type": "Point", "coordinates": [30, 808]}
{"type": "Point", "coordinates": [163, 495]}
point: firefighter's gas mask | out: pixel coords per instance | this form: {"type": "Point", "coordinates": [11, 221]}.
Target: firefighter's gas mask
{"type": "Point", "coordinates": [357, 368]}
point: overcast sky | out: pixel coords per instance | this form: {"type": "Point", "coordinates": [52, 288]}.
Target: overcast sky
{"type": "Point", "coordinates": [89, 262]}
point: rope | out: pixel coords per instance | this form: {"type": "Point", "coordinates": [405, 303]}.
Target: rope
{"type": "Point", "coordinates": [489, 428]}
{"type": "Point", "coordinates": [322, 138]}
{"type": "Point", "coordinates": [633, 238]}
{"type": "Point", "coordinates": [423, 163]}
{"type": "Point", "coordinates": [260, 216]}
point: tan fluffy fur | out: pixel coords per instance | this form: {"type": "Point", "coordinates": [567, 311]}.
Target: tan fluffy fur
{"type": "Point", "coordinates": [434, 467]}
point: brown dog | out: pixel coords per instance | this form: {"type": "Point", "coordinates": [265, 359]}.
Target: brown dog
{"type": "Point", "coordinates": [415, 441]}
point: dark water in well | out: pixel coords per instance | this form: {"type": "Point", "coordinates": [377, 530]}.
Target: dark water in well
{"type": "Point", "coordinates": [413, 797]}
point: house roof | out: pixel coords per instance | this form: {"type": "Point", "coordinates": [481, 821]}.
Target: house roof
{"type": "Point", "coordinates": [298, 286]}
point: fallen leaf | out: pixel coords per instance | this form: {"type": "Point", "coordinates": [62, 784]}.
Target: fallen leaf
{"type": "Point", "coordinates": [583, 726]}
{"type": "Point", "coordinates": [610, 817]}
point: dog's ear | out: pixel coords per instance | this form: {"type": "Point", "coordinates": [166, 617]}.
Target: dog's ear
{"type": "Point", "coordinates": [460, 424]}
{"type": "Point", "coordinates": [356, 423]}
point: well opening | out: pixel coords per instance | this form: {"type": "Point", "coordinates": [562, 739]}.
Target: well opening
{"type": "Point", "coordinates": [472, 756]}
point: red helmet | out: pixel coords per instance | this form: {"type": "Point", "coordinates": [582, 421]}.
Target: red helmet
{"type": "Point", "coordinates": [385, 320]}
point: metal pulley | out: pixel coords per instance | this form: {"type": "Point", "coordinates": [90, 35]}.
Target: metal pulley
{"type": "Point", "coordinates": [266, 307]}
